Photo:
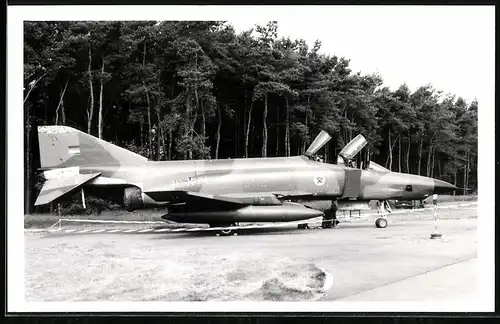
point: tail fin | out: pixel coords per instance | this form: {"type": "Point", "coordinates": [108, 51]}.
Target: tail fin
{"type": "Point", "coordinates": [62, 146]}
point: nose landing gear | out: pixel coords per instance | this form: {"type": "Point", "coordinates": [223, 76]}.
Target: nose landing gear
{"type": "Point", "coordinates": [383, 208]}
{"type": "Point", "coordinates": [381, 222]}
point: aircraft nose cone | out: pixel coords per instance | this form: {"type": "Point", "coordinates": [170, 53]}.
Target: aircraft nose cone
{"type": "Point", "coordinates": [443, 187]}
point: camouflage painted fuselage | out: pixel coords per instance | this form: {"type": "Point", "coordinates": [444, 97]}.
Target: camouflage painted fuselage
{"type": "Point", "coordinates": [214, 191]}
{"type": "Point", "coordinates": [292, 177]}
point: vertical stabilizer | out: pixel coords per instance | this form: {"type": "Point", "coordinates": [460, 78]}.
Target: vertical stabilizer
{"type": "Point", "coordinates": [62, 146]}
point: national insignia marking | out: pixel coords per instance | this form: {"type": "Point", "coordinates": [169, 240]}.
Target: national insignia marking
{"type": "Point", "coordinates": [319, 180]}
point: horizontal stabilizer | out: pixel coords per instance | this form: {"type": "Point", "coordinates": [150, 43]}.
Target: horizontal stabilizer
{"type": "Point", "coordinates": [55, 188]}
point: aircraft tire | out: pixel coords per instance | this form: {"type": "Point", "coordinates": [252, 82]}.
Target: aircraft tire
{"type": "Point", "coordinates": [330, 219]}
{"type": "Point", "coordinates": [327, 224]}
{"type": "Point", "coordinates": [303, 226]}
{"type": "Point", "coordinates": [381, 223]}
{"type": "Point", "coordinates": [225, 232]}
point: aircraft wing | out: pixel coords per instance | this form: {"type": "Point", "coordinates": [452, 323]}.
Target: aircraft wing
{"type": "Point", "coordinates": [55, 188]}
{"type": "Point", "coordinates": [195, 201]}
{"type": "Point", "coordinates": [194, 207]}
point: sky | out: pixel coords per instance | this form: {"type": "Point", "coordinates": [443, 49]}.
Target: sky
{"type": "Point", "coordinates": [448, 47]}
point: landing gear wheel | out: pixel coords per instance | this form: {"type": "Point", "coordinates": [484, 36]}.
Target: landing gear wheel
{"type": "Point", "coordinates": [330, 223]}
{"type": "Point", "coordinates": [226, 231]}
{"type": "Point", "coordinates": [303, 226]}
{"type": "Point", "coordinates": [381, 223]}
{"type": "Point", "coordinates": [330, 217]}
{"type": "Point", "coordinates": [326, 224]}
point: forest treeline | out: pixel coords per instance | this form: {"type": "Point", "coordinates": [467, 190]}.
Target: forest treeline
{"type": "Point", "coordinates": [198, 90]}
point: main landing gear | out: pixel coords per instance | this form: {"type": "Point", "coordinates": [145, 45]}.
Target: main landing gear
{"type": "Point", "coordinates": [330, 218]}
{"type": "Point", "coordinates": [226, 231]}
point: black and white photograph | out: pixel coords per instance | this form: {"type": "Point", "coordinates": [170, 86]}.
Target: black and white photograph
{"type": "Point", "coordinates": [250, 158]}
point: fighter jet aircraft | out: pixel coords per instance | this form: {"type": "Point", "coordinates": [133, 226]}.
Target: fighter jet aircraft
{"type": "Point", "coordinates": [222, 192]}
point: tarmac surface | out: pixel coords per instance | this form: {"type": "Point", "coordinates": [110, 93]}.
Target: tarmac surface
{"type": "Point", "coordinates": [364, 263]}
